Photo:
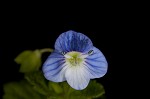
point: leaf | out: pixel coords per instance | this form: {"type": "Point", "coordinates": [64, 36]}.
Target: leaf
{"type": "Point", "coordinates": [20, 90]}
{"type": "Point", "coordinates": [56, 87]}
{"type": "Point", "coordinates": [93, 90]}
{"type": "Point", "coordinates": [38, 82]}
{"type": "Point", "coordinates": [21, 57]}
{"type": "Point", "coordinates": [62, 90]}
{"type": "Point", "coordinates": [29, 60]}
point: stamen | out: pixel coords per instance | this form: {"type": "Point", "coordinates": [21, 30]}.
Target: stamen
{"type": "Point", "coordinates": [63, 53]}
{"type": "Point", "coordinates": [90, 52]}
{"type": "Point", "coordinates": [74, 58]}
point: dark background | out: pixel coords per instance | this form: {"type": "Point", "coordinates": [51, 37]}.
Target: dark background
{"type": "Point", "coordinates": [110, 30]}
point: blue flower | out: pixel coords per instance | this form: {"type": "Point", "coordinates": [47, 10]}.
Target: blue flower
{"type": "Point", "coordinates": [74, 60]}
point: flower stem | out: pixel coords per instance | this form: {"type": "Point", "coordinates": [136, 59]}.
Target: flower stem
{"type": "Point", "coordinates": [46, 50]}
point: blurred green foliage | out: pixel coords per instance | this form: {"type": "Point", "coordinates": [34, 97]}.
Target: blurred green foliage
{"type": "Point", "coordinates": [29, 61]}
{"type": "Point", "coordinates": [35, 86]}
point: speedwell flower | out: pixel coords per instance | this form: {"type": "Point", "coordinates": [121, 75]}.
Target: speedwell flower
{"type": "Point", "coordinates": [74, 60]}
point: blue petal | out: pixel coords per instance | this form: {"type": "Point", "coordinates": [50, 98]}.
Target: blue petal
{"type": "Point", "coordinates": [73, 41]}
{"type": "Point", "coordinates": [96, 64]}
{"type": "Point", "coordinates": [54, 67]}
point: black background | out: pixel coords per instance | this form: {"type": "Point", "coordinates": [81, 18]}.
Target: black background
{"type": "Point", "coordinates": [110, 30]}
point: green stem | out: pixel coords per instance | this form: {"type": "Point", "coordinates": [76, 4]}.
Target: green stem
{"type": "Point", "coordinates": [46, 50]}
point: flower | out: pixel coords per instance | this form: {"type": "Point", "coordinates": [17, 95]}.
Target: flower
{"type": "Point", "coordinates": [74, 60]}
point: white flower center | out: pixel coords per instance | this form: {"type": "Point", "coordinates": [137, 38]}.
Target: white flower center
{"type": "Point", "coordinates": [75, 58]}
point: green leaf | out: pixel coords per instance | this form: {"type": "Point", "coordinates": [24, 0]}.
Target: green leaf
{"type": "Point", "coordinates": [93, 90]}
{"type": "Point", "coordinates": [22, 56]}
{"type": "Point", "coordinates": [56, 87]}
{"type": "Point", "coordinates": [38, 82]}
{"type": "Point", "coordinates": [20, 90]}
{"type": "Point", "coordinates": [29, 60]}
